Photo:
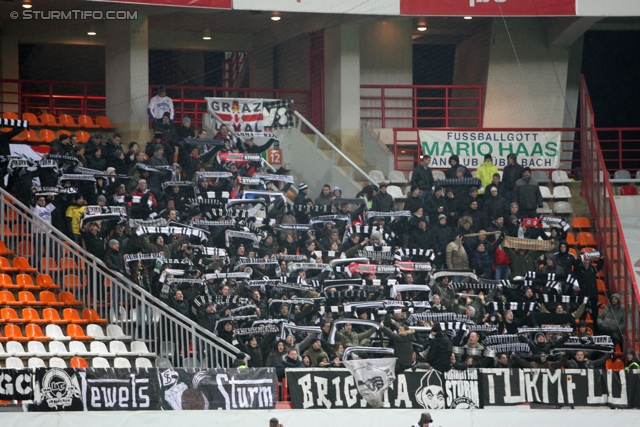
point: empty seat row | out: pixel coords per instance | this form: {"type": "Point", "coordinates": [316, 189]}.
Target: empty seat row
{"type": "Point", "coordinates": [50, 315]}
{"type": "Point", "coordinates": [76, 348]}
{"type": "Point", "coordinates": [47, 136]}
{"type": "Point", "coordinates": [25, 282]}
{"type": "Point", "coordinates": [584, 239]}
{"type": "Point", "coordinates": [53, 332]}
{"type": "Point", "coordinates": [395, 177]}
{"type": "Point", "coordinates": [63, 120]}
{"type": "Point", "coordinates": [77, 362]}
{"type": "Point", "coordinates": [46, 298]}
{"type": "Point", "coordinates": [559, 192]}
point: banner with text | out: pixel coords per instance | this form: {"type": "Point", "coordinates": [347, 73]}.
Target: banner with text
{"type": "Point", "coordinates": [534, 149]}
{"type": "Point", "coordinates": [336, 388]}
{"type": "Point", "coordinates": [142, 389]}
{"type": "Point", "coordinates": [569, 387]}
{"type": "Point", "coordinates": [251, 117]}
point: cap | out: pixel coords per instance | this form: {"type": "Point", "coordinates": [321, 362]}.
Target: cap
{"type": "Point", "coordinates": [513, 217]}
{"type": "Point", "coordinates": [157, 148]}
{"type": "Point", "coordinates": [177, 165]}
{"type": "Point", "coordinates": [110, 169]}
{"type": "Point", "coordinates": [334, 231]}
{"type": "Point", "coordinates": [436, 327]}
{"type": "Point", "coordinates": [78, 196]}
{"type": "Point", "coordinates": [157, 134]}
{"type": "Point", "coordinates": [460, 169]}
{"type": "Point", "coordinates": [101, 198]}
{"type": "Point", "coordinates": [302, 186]}
{"type": "Point", "coordinates": [142, 181]}
{"type": "Point", "coordinates": [438, 188]}
{"type": "Point", "coordinates": [113, 242]}
{"type": "Point", "coordinates": [186, 119]}
{"type": "Point", "coordinates": [488, 156]}
{"type": "Point", "coordinates": [441, 216]}
{"type": "Point", "coordinates": [166, 114]}
{"type": "Point", "coordinates": [243, 356]}
{"type": "Point", "coordinates": [472, 189]}
{"type": "Point", "coordinates": [425, 418]}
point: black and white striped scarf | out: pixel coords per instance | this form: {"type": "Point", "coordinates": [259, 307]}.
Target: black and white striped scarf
{"type": "Point", "coordinates": [329, 218]}
{"type": "Point", "coordinates": [438, 317]}
{"type": "Point", "coordinates": [513, 347]}
{"type": "Point", "coordinates": [204, 223]}
{"type": "Point", "coordinates": [564, 299]}
{"type": "Point", "coordinates": [220, 252]}
{"type": "Point", "coordinates": [258, 330]}
{"type": "Point", "coordinates": [274, 178]}
{"type": "Point", "coordinates": [293, 258]}
{"type": "Point", "coordinates": [501, 307]}
{"type": "Point", "coordinates": [53, 191]}
{"type": "Point", "coordinates": [243, 308]}
{"type": "Point", "coordinates": [396, 214]}
{"type": "Point", "coordinates": [14, 123]}
{"type": "Point", "coordinates": [356, 293]}
{"type": "Point", "coordinates": [241, 235]}
{"type": "Point", "coordinates": [544, 330]}
{"type": "Point", "coordinates": [478, 286]}
{"type": "Point", "coordinates": [395, 289]}
{"type": "Point", "coordinates": [384, 255]}
{"type": "Point", "coordinates": [217, 202]}
{"type": "Point", "coordinates": [140, 257]}
{"type": "Point", "coordinates": [201, 176]}
{"type": "Point", "coordinates": [201, 234]}
{"type": "Point", "coordinates": [328, 254]}
{"type": "Point", "coordinates": [334, 327]}
{"type": "Point", "coordinates": [230, 275]}
{"type": "Point", "coordinates": [485, 329]}
{"type": "Point", "coordinates": [242, 261]}
{"type": "Point", "coordinates": [312, 209]}
{"type": "Point", "coordinates": [406, 252]}
{"type": "Point", "coordinates": [500, 339]}
{"type": "Point", "coordinates": [474, 182]}
{"type": "Point", "coordinates": [293, 227]}
{"type": "Point", "coordinates": [217, 213]}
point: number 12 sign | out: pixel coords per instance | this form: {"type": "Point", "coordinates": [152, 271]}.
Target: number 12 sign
{"type": "Point", "coordinates": [274, 156]}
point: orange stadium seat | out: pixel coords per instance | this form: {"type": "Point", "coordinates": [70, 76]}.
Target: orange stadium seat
{"type": "Point", "coordinates": [63, 132]}
{"type": "Point", "coordinates": [86, 122]}
{"type": "Point", "coordinates": [30, 315]}
{"type": "Point", "coordinates": [71, 281]}
{"type": "Point", "coordinates": [24, 281]}
{"type": "Point", "coordinates": [14, 333]}
{"type": "Point", "coordinates": [92, 316]}
{"type": "Point", "coordinates": [67, 121]}
{"type": "Point", "coordinates": [571, 239]}
{"type": "Point", "coordinates": [34, 333]}
{"type": "Point", "coordinates": [79, 363]}
{"type": "Point", "coordinates": [45, 281]}
{"type": "Point", "coordinates": [83, 136]}
{"type": "Point", "coordinates": [50, 299]}
{"type": "Point", "coordinates": [28, 298]}
{"type": "Point", "coordinates": [22, 264]}
{"type": "Point", "coordinates": [7, 283]}
{"type": "Point", "coordinates": [68, 299]}
{"type": "Point", "coordinates": [52, 316]}
{"type": "Point", "coordinates": [5, 266]}
{"type": "Point", "coordinates": [9, 315]}
{"type": "Point", "coordinates": [4, 250]}
{"type": "Point", "coordinates": [32, 119]}
{"type": "Point", "coordinates": [26, 248]}
{"type": "Point", "coordinates": [581, 223]}
{"type": "Point", "coordinates": [586, 239]}
{"type": "Point", "coordinates": [47, 135]}
{"type": "Point", "coordinates": [7, 298]}
{"type": "Point", "coordinates": [72, 315]}
{"type": "Point", "coordinates": [49, 120]}
{"type": "Point", "coordinates": [104, 122]}
{"type": "Point", "coordinates": [77, 333]}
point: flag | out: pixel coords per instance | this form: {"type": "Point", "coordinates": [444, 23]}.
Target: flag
{"type": "Point", "coordinates": [277, 114]}
{"type": "Point", "coordinates": [373, 377]}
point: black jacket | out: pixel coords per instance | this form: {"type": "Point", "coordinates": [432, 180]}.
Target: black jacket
{"type": "Point", "coordinates": [286, 364]}
{"type": "Point", "coordinates": [527, 194]}
{"type": "Point", "coordinates": [403, 344]}
{"type": "Point", "coordinates": [511, 174]}
{"type": "Point", "coordinates": [412, 204]}
{"type": "Point", "coordinates": [495, 206]}
{"type": "Point", "coordinates": [422, 178]}
{"type": "Point", "coordinates": [382, 203]}
{"type": "Point", "coordinates": [114, 260]}
{"type": "Point", "coordinates": [433, 204]}
{"type": "Point", "coordinates": [439, 356]}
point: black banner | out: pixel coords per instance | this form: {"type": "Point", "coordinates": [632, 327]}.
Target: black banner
{"type": "Point", "coordinates": [141, 389]}
{"type": "Point", "coordinates": [16, 384]}
{"type": "Point", "coordinates": [569, 387]}
{"type": "Point", "coordinates": [335, 388]}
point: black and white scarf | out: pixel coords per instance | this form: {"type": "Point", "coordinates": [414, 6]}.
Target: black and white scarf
{"type": "Point", "coordinates": [477, 286]}
{"type": "Point", "coordinates": [312, 209]}
{"type": "Point", "coordinates": [564, 299]}
{"type": "Point", "coordinates": [230, 275]}
{"type": "Point", "coordinates": [294, 258]}
{"type": "Point", "coordinates": [544, 330]}
{"type": "Point", "coordinates": [501, 307]}
{"type": "Point", "coordinates": [555, 221]}
{"type": "Point", "coordinates": [257, 330]}
{"type": "Point", "coordinates": [406, 252]}
{"type": "Point", "coordinates": [293, 227]}
{"type": "Point", "coordinates": [474, 182]}
{"type": "Point", "coordinates": [140, 257]}
{"type": "Point", "coordinates": [169, 231]}
{"type": "Point", "coordinates": [241, 235]}
{"type": "Point", "coordinates": [438, 318]}
{"type": "Point", "coordinates": [217, 213]}
{"type": "Point", "coordinates": [205, 223]}
{"type": "Point", "coordinates": [384, 255]}
{"type": "Point", "coordinates": [274, 178]}
{"type": "Point", "coordinates": [330, 218]}
{"type": "Point", "coordinates": [396, 214]}
{"type": "Point", "coordinates": [53, 191]}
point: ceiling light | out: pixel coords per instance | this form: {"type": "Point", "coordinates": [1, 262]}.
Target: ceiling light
{"type": "Point", "coordinates": [275, 18]}
{"type": "Point", "coordinates": [206, 35]}
{"type": "Point", "coordinates": [422, 28]}
{"type": "Point", "coordinates": [468, 17]}
{"type": "Point", "coordinates": [27, 4]}
{"type": "Point", "coordinates": [92, 31]}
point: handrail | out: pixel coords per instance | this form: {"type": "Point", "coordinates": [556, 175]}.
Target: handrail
{"type": "Point", "coordinates": [596, 186]}
{"type": "Point", "coordinates": [335, 149]}
{"type": "Point", "coordinates": [139, 314]}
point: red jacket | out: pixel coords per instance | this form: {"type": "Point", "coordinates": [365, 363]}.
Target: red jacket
{"type": "Point", "coordinates": [500, 258]}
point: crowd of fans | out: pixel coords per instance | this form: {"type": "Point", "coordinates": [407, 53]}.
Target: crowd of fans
{"type": "Point", "coordinates": [462, 275]}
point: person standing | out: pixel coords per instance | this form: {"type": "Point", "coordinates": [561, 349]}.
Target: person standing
{"type": "Point", "coordinates": [425, 420]}
{"type": "Point", "coordinates": [423, 177]}
{"type": "Point", "coordinates": [160, 104]}
{"type": "Point", "coordinates": [526, 193]}
{"type": "Point", "coordinates": [485, 172]}
{"type": "Point", "coordinates": [512, 172]}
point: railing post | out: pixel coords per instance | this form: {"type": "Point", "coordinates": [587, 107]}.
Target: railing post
{"type": "Point", "coordinates": [446, 107]}
{"type": "Point", "coordinates": [480, 107]}
{"type": "Point", "coordinates": [383, 111]}
{"type": "Point", "coordinates": [415, 107]}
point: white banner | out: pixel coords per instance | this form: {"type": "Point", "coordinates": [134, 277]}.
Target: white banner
{"type": "Point", "coordinates": [373, 377]}
{"type": "Point", "coordinates": [244, 115]}
{"type": "Point", "coordinates": [534, 149]}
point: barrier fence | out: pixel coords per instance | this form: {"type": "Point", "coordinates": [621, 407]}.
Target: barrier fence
{"type": "Point", "coordinates": [596, 188]}
{"type": "Point", "coordinates": [113, 296]}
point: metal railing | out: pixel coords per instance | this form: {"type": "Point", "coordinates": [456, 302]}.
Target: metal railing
{"type": "Point", "coordinates": [116, 298]}
{"type": "Point", "coordinates": [335, 150]}
{"type": "Point", "coordinates": [596, 188]}
{"type": "Point", "coordinates": [88, 98]}
{"type": "Point", "coordinates": [414, 106]}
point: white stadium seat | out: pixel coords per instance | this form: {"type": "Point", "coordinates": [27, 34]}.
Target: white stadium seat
{"type": "Point", "coordinates": [560, 177]}
{"type": "Point", "coordinates": [546, 193]}
{"type": "Point", "coordinates": [561, 192]}
{"type": "Point", "coordinates": [100, 362]}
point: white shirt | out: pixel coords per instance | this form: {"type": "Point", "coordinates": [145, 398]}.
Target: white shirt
{"type": "Point", "coordinates": [43, 212]}
{"type": "Point", "coordinates": [159, 105]}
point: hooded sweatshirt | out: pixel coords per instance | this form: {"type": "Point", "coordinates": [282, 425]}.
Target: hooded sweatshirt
{"type": "Point", "coordinates": [512, 173]}
{"type": "Point", "coordinates": [612, 317]}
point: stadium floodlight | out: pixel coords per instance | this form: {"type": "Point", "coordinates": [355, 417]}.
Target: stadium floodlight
{"type": "Point", "coordinates": [206, 35]}
{"type": "Point", "coordinates": [27, 4]}
{"type": "Point", "coordinates": [92, 31]}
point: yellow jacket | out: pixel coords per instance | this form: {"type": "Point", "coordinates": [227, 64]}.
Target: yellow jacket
{"type": "Point", "coordinates": [485, 174]}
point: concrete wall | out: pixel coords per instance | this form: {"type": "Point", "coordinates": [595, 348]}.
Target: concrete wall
{"type": "Point", "coordinates": [312, 166]}
{"type": "Point", "coordinates": [525, 88]}
{"type": "Point", "coordinates": [293, 63]}
{"type": "Point", "coordinates": [376, 152]}
{"type": "Point", "coordinates": [386, 57]}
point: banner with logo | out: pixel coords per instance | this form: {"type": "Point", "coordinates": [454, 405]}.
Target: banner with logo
{"type": "Point", "coordinates": [373, 377]}
{"type": "Point", "coordinates": [16, 384]}
{"type": "Point", "coordinates": [336, 388]}
{"type": "Point", "coordinates": [141, 389]}
{"type": "Point", "coordinates": [534, 149]}
{"type": "Point", "coordinates": [251, 117]}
